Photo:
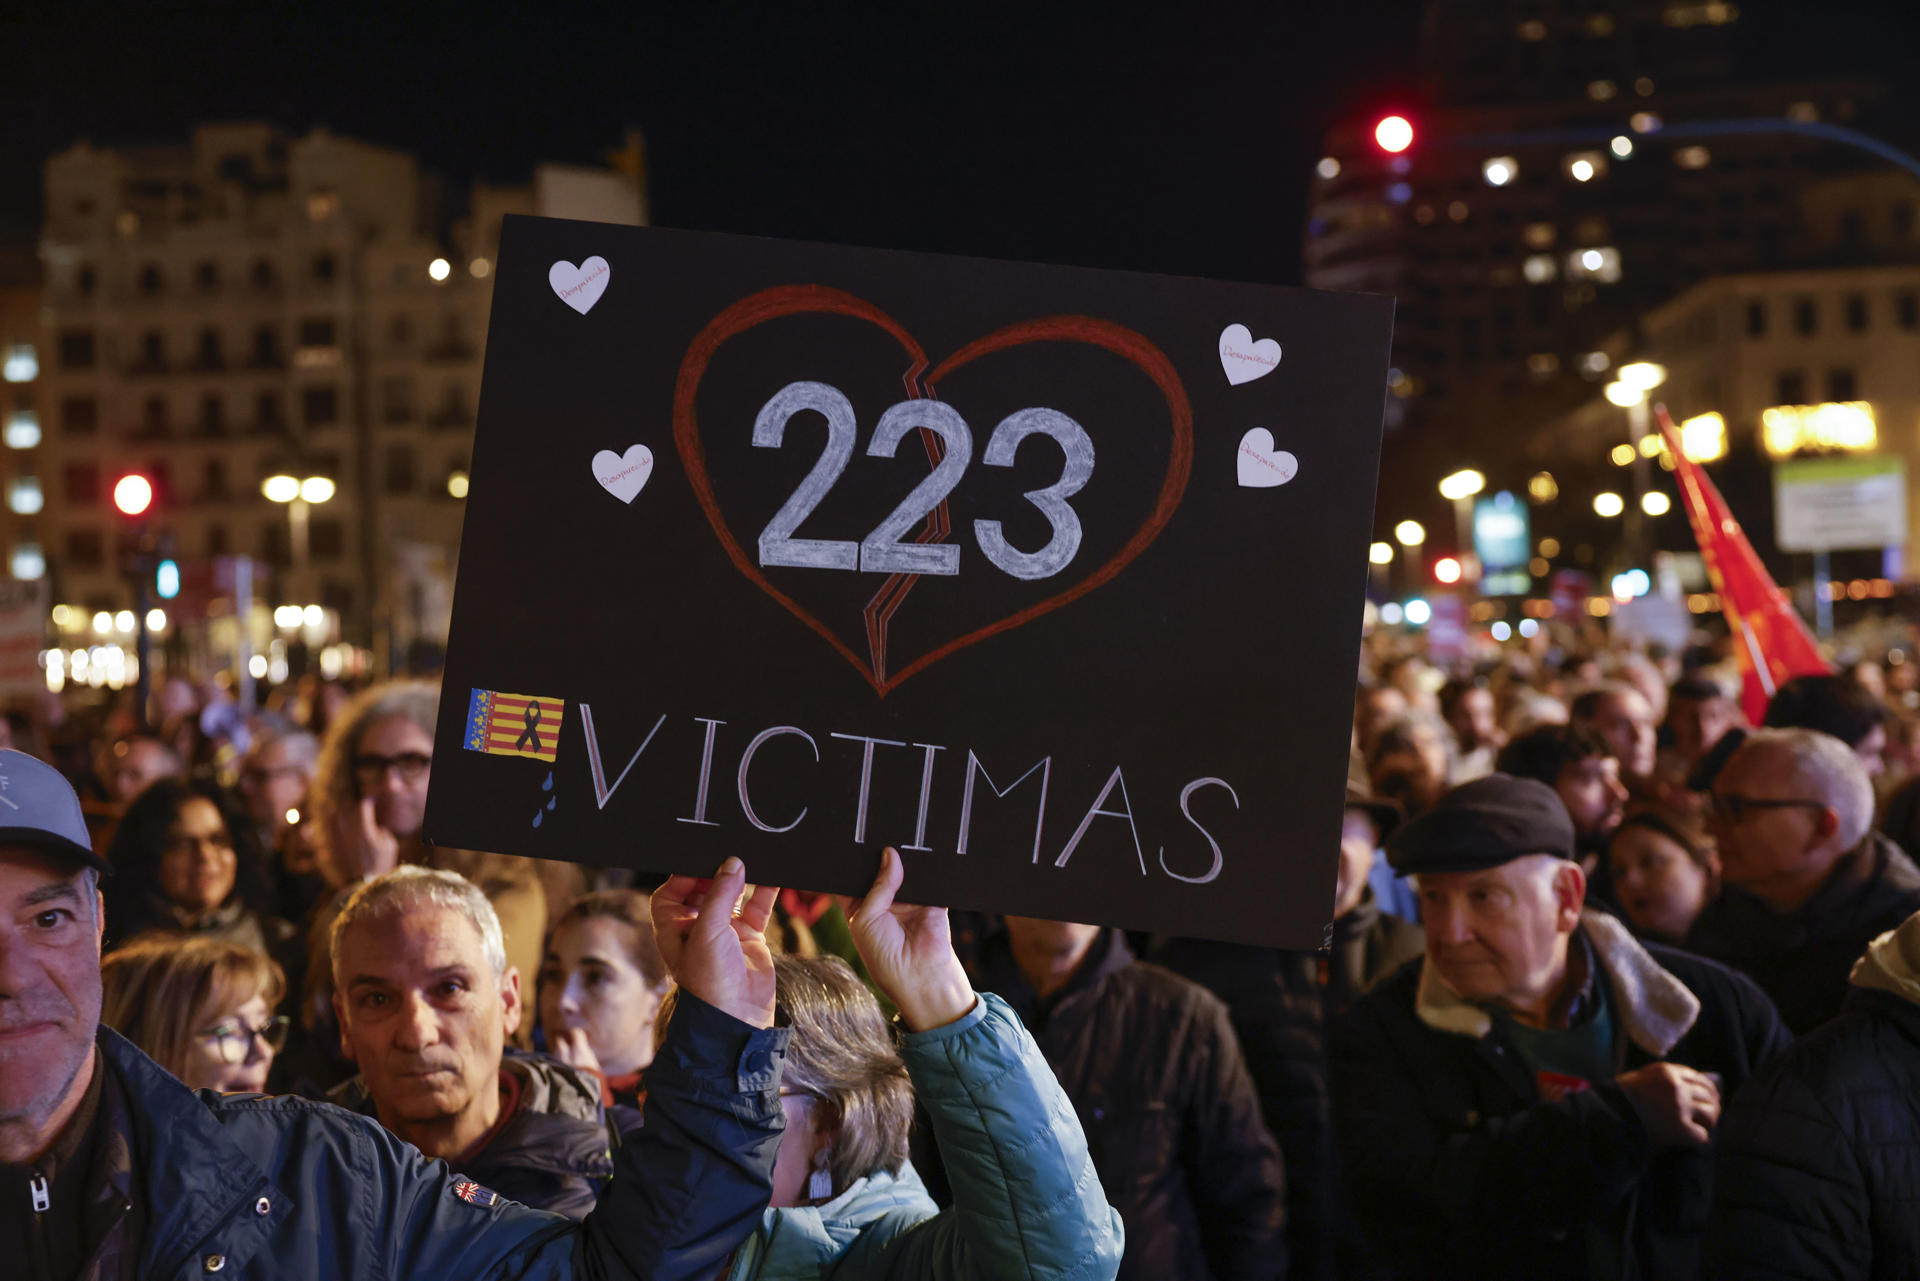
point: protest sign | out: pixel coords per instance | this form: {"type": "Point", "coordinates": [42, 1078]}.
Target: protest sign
{"type": "Point", "coordinates": [1051, 578]}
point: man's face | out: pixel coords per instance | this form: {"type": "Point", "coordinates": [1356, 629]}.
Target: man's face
{"type": "Point", "coordinates": [50, 923]}
{"type": "Point", "coordinates": [392, 763]}
{"type": "Point", "coordinates": [1051, 938]}
{"type": "Point", "coordinates": [1698, 724]}
{"type": "Point", "coordinates": [1378, 709]}
{"type": "Point", "coordinates": [1625, 721]}
{"type": "Point", "coordinates": [273, 783]}
{"type": "Point", "coordinates": [137, 765]}
{"type": "Point", "coordinates": [1769, 849]}
{"type": "Point", "coordinates": [1501, 934]}
{"type": "Point", "coordinates": [1473, 719]}
{"type": "Point", "coordinates": [1594, 796]}
{"type": "Point", "coordinates": [421, 1012]}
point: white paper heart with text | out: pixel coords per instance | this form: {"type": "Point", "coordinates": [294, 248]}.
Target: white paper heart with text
{"type": "Point", "coordinates": [1261, 465]}
{"type": "Point", "coordinates": [1243, 358]}
{"type": "Point", "coordinates": [580, 287]}
{"type": "Point", "coordinates": [624, 475]}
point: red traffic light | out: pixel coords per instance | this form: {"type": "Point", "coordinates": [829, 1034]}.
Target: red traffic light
{"type": "Point", "coordinates": [1394, 134]}
{"type": "Point", "coordinates": [133, 494]}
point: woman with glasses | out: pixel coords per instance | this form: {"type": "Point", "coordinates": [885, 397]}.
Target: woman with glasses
{"type": "Point", "coordinates": [185, 860]}
{"type": "Point", "coordinates": [199, 1007]}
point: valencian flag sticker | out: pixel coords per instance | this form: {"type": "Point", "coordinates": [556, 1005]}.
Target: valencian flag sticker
{"type": "Point", "coordinates": [514, 724]}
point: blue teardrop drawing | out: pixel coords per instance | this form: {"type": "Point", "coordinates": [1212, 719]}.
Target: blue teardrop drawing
{"type": "Point", "coordinates": [552, 801]}
{"type": "Point", "coordinates": [537, 816]}
{"type": "Point", "coordinates": [548, 785]}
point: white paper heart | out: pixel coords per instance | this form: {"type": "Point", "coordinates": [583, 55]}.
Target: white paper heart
{"type": "Point", "coordinates": [580, 287]}
{"type": "Point", "coordinates": [624, 475]}
{"type": "Point", "coordinates": [1243, 358]}
{"type": "Point", "coordinates": [1261, 465]}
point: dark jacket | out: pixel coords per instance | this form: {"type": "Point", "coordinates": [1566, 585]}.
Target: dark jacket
{"type": "Point", "coordinates": [1152, 1066]}
{"type": "Point", "coordinates": [1457, 1165]}
{"type": "Point", "coordinates": [1276, 1000]}
{"type": "Point", "coordinates": [554, 1153]}
{"type": "Point", "coordinates": [1367, 946]}
{"type": "Point", "coordinates": [1802, 958]}
{"type": "Point", "coordinates": [250, 1186]}
{"type": "Point", "coordinates": [1819, 1171]}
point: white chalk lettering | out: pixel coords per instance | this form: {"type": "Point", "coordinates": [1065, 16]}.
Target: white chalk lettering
{"type": "Point", "coordinates": [601, 792]}
{"type": "Point", "coordinates": [1218, 860]}
{"type": "Point", "coordinates": [926, 794]}
{"type": "Point", "coordinates": [966, 798]}
{"type": "Point", "coordinates": [746, 760]}
{"type": "Point", "coordinates": [1113, 780]}
{"type": "Point", "coordinates": [866, 779]}
{"type": "Point", "coordinates": [706, 775]}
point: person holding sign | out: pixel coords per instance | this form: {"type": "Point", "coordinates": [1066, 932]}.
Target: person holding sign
{"type": "Point", "coordinates": [846, 1201]}
{"type": "Point", "coordinates": [1538, 1098]}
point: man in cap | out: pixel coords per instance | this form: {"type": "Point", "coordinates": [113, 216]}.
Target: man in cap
{"type": "Point", "coordinates": [110, 1168]}
{"type": "Point", "coordinates": [1538, 1096]}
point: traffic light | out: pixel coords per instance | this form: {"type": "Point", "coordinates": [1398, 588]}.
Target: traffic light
{"type": "Point", "coordinates": [166, 579]}
{"type": "Point", "coordinates": [133, 494]}
{"type": "Point", "coordinates": [1394, 134]}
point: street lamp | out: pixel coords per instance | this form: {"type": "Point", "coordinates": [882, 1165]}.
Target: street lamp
{"type": "Point", "coordinates": [299, 494]}
{"type": "Point", "coordinates": [1410, 534]}
{"type": "Point", "coordinates": [1609, 504]}
{"type": "Point", "coordinates": [1459, 489]}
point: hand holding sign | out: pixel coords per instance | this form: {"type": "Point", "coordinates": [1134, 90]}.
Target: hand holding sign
{"type": "Point", "coordinates": [718, 951]}
{"type": "Point", "coordinates": [909, 952]}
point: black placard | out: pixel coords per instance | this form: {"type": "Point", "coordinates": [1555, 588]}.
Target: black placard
{"type": "Point", "coordinates": [1065, 600]}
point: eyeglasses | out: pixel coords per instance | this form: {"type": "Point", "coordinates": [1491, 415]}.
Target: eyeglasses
{"type": "Point", "coordinates": [1733, 807]}
{"type": "Point", "coordinates": [235, 1040]}
{"type": "Point", "coordinates": [410, 765]}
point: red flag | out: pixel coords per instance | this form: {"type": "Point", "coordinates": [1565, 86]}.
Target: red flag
{"type": "Point", "coordinates": [1773, 643]}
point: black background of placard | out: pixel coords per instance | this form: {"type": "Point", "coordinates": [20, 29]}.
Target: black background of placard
{"type": "Point", "coordinates": [1227, 649]}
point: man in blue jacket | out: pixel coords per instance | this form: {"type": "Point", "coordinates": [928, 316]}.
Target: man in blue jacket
{"type": "Point", "coordinates": [110, 1168]}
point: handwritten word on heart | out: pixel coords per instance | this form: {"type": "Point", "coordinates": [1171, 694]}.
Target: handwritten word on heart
{"type": "Point", "coordinates": [580, 287]}
{"type": "Point", "coordinates": [623, 475]}
{"type": "Point", "coordinates": [1243, 358]}
{"type": "Point", "coordinates": [1261, 465]}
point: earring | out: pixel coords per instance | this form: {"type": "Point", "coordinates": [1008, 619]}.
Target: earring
{"type": "Point", "coordinates": [820, 1184]}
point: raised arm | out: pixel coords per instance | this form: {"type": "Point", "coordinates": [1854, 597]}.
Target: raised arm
{"type": "Point", "coordinates": [1027, 1202]}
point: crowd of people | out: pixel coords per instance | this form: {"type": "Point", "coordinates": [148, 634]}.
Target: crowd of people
{"type": "Point", "coordinates": [1615, 985]}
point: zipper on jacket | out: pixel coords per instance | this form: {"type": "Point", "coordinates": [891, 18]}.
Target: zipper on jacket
{"type": "Point", "coordinates": [42, 1196]}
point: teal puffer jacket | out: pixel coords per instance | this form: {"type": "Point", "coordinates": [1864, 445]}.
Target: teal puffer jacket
{"type": "Point", "coordinates": [1026, 1200]}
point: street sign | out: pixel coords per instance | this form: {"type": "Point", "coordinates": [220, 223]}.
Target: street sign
{"type": "Point", "coordinates": [1051, 578]}
{"type": "Point", "coordinates": [23, 630]}
{"type": "Point", "coordinates": [1833, 504]}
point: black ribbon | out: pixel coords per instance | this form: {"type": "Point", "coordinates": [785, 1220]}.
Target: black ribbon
{"type": "Point", "coordinates": [532, 731]}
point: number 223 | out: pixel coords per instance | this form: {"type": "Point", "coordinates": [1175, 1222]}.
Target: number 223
{"type": "Point", "coordinates": [882, 551]}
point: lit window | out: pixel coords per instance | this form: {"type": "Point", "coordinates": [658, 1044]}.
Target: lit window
{"type": "Point", "coordinates": [24, 497]}
{"type": "Point", "coordinates": [1621, 146]}
{"type": "Point", "coordinates": [23, 429]}
{"type": "Point", "coordinates": [22, 365]}
{"type": "Point", "coordinates": [1542, 363]}
{"type": "Point", "coordinates": [439, 269]}
{"type": "Point", "coordinates": [1645, 122]}
{"type": "Point", "coordinates": [1539, 235]}
{"type": "Point", "coordinates": [322, 205]}
{"type": "Point", "coordinates": [1533, 31]}
{"type": "Point", "coordinates": [1692, 157]}
{"type": "Point", "coordinates": [1595, 362]}
{"type": "Point", "coordinates": [1703, 438]}
{"type": "Point", "coordinates": [1328, 168]}
{"type": "Point", "coordinates": [1803, 113]}
{"type": "Point", "coordinates": [1644, 87]}
{"type": "Point", "coordinates": [1599, 24]}
{"type": "Point", "coordinates": [1621, 455]}
{"type": "Point", "coordinates": [1457, 211]}
{"type": "Point", "coordinates": [1539, 268]}
{"type": "Point", "coordinates": [1602, 90]}
{"type": "Point", "coordinates": [1500, 170]}
{"type": "Point", "coordinates": [1424, 215]}
{"type": "Point", "coordinates": [1786, 429]}
{"type": "Point", "coordinates": [28, 563]}
{"type": "Point", "coordinates": [480, 268]}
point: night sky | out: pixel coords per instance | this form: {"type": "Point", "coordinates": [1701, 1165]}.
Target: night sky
{"type": "Point", "coordinates": [1172, 137]}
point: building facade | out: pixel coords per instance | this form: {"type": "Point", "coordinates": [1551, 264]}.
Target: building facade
{"type": "Point", "coordinates": [1552, 191]}
{"type": "Point", "coordinates": [250, 304]}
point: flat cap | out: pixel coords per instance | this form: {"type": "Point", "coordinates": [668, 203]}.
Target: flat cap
{"type": "Point", "coordinates": [1482, 824]}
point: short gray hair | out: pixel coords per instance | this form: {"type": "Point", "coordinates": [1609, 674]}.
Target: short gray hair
{"type": "Point", "coordinates": [1833, 771]}
{"type": "Point", "coordinates": [410, 886]}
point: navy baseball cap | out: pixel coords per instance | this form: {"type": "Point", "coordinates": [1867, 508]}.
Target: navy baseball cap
{"type": "Point", "coordinates": [38, 809]}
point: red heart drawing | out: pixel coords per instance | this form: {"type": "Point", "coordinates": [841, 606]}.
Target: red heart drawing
{"type": "Point", "coordinates": [787, 300]}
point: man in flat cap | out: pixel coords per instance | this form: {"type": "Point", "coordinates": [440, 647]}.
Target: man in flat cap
{"type": "Point", "coordinates": [1537, 1097]}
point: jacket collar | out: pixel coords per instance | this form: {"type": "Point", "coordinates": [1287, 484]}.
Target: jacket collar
{"type": "Point", "coordinates": [1892, 962]}
{"type": "Point", "coordinates": [191, 1175]}
{"type": "Point", "coordinates": [1655, 1009]}
{"type": "Point", "coordinates": [805, 1241]}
